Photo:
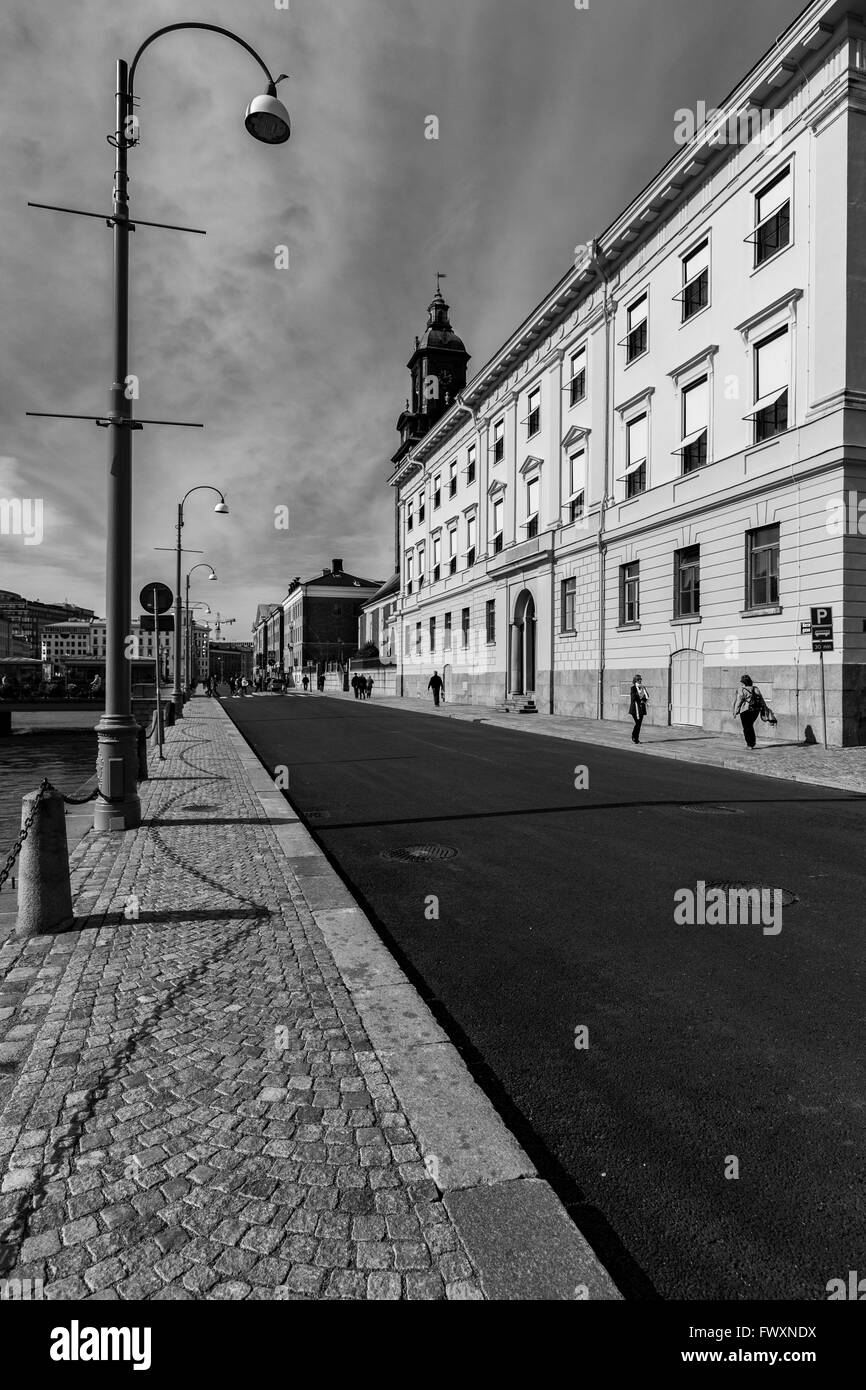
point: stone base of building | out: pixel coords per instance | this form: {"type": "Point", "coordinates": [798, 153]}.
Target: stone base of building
{"type": "Point", "coordinates": [793, 692]}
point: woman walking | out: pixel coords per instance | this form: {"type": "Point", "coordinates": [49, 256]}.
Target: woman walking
{"type": "Point", "coordinates": [638, 701]}
{"type": "Point", "coordinates": [747, 704]}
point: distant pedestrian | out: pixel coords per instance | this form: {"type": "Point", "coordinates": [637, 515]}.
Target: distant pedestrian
{"type": "Point", "coordinates": [437, 685]}
{"type": "Point", "coordinates": [638, 701]}
{"type": "Point", "coordinates": [356, 686]}
{"type": "Point", "coordinates": [305, 682]}
{"type": "Point", "coordinates": [245, 686]}
{"type": "Point", "coordinates": [369, 687]}
{"type": "Point", "coordinates": [748, 704]}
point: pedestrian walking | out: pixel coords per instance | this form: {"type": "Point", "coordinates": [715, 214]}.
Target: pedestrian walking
{"type": "Point", "coordinates": [305, 682]}
{"type": "Point", "coordinates": [245, 686]}
{"type": "Point", "coordinates": [369, 687]}
{"type": "Point", "coordinates": [638, 701]}
{"type": "Point", "coordinates": [750, 704]}
{"type": "Point", "coordinates": [437, 685]}
{"type": "Point", "coordinates": [356, 686]}
{"type": "Point", "coordinates": [362, 688]}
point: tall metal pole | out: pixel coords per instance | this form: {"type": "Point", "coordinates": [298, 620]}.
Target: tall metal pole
{"type": "Point", "coordinates": [176, 694]}
{"type": "Point", "coordinates": [187, 667]}
{"type": "Point", "coordinates": [118, 806]}
{"type": "Point", "coordinates": [823, 700]}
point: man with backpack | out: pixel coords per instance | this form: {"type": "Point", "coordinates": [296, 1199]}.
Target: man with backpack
{"type": "Point", "coordinates": [750, 705]}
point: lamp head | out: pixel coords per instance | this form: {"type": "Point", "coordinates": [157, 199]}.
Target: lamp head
{"type": "Point", "coordinates": [222, 508]}
{"type": "Point", "coordinates": [212, 575]}
{"type": "Point", "coordinates": [267, 118]}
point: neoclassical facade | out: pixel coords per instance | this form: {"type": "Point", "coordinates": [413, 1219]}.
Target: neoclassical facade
{"type": "Point", "coordinates": [661, 469]}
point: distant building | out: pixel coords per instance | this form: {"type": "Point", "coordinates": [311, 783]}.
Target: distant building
{"type": "Point", "coordinates": [28, 617]}
{"type": "Point", "coordinates": [268, 636]}
{"type": "Point", "coordinates": [378, 620]}
{"type": "Point", "coordinates": [320, 617]}
{"type": "Point", "coordinates": [231, 659]}
{"type": "Point", "coordinates": [63, 643]}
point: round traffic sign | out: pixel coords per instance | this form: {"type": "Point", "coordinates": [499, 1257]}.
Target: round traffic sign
{"type": "Point", "coordinates": [164, 598]}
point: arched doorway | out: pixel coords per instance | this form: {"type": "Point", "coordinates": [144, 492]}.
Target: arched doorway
{"type": "Point", "coordinates": [687, 687]}
{"type": "Point", "coordinates": [522, 667]}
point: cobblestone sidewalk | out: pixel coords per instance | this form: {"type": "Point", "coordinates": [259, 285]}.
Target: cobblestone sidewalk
{"type": "Point", "coordinates": [191, 1107]}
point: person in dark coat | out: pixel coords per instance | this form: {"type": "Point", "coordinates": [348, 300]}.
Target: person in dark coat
{"type": "Point", "coordinates": [747, 704]}
{"type": "Point", "coordinates": [369, 687]}
{"type": "Point", "coordinates": [638, 701]}
{"type": "Point", "coordinates": [437, 685]}
{"type": "Point", "coordinates": [355, 687]}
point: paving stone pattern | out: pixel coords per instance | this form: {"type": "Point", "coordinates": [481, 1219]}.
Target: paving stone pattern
{"type": "Point", "coordinates": [191, 1107]}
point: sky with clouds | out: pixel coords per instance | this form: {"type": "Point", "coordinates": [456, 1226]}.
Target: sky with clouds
{"type": "Point", "coordinates": [550, 120]}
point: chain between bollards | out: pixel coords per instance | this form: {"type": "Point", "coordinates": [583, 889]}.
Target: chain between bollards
{"type": "Point", "coordinates": [45, 786]}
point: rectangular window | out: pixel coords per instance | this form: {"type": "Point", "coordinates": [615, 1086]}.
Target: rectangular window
{"type": "Point", "coordinates": [446, 636]}
{"type": "Point", "coordinates": [417, 639]}
{"type": "Point", "coordinates": [437, 555]}
{"type": "Point", "coordinates": [773, 217]}
{"type": "Point", "coordinates": [568, 604]}
{"type": "Point", "coordinates": [629, 593]}
{"type": "Point", "coordinates": [577, 385]}
{"type": "Point", "coordinates": [452, 478]}
{"type": "Point", "coordinates": [464, 627]}
{"type": "Point", "coordinates": [576, 484]}
{"type": "Point", "coordinates": [770, 411]}
{"type": "Point", "coordinates": [499, 441]}
{"type": "Point", "coordinates": [437, 491]}
{"type": "Point", "coordinates": [532, 501]}
{"type": "Point", "coordinates": [696, 280]}
{"type": "Point", "coordinates": [421, 560]}
{"type": "Point", "coordinates": [498, 510]}
{"type": "Point", "coordinates": [636, 456]}
{"type": "Point", "coordinates": [410, 514]}
{"type": "Point", "coordinates": [637, 341]}
{"type": "Point", "coordinates": [762, 567]}
{"type": "Point", "coordinates": [421, 507]}
{"type": "Point", "coordinates": [470, 464]}
{"type": "Point", "coordinates": [533, 420]}
{"type": "Point", "coordinates": [695, 425]}
{"type": "Point", "coordinates": [470, 541]}
{"type": "Point", "coordinates": [490, 620]}
{"type": "Point", "coordinates": [687, 582]}
{"type": "Point", "coordinates": [432, 636]}
{"type": "Point", "coordinates": [410, 571]}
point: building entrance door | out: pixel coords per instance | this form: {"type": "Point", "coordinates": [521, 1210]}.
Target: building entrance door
{"type": "Point", "coordinates": [522, 666]}
{"type": "Point", "coordinates": [687, 687]}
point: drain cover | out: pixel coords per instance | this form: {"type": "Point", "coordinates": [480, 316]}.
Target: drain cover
{"type": "Point", "coordinates": [727, 885]}
{"type": "Point", "coordinates": [418, 854]}
{"type": "Point", "coordinates": [704, 808]}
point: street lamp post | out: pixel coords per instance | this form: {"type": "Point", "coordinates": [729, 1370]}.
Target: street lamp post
{"type": "Point", "coordinates": [188, 660]}
{"type": "Point", "coordinates": [117, 805]}
{"type": "Point", "coordinates": [222, 509]}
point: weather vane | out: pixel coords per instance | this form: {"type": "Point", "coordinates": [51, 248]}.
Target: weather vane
{"type": "Point", "coordinates": [440, 275]}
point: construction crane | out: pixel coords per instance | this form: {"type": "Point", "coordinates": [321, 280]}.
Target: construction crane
{"type": "Point", "coordinates": [222, 622]}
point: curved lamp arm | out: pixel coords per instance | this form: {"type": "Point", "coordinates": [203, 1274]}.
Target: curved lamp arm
{"type": "Point", "coordinates": [215, 29]}
{"type": "Point", "coordinates": [201, 487]}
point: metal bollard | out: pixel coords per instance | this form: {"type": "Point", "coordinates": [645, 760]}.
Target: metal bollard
{"type": "Point", "coordinates": [44, 894]}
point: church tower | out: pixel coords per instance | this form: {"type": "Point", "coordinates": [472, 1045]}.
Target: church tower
{"type": "Point", "coordinates": [438, 373]}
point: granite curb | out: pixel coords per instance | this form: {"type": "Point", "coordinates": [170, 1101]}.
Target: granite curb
{"type": "Point", "coordinates": [519, 1236]}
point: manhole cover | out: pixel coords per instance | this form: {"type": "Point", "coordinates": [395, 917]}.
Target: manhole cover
{"type": "Point", "coordinates": [703, 808]}
{"type": "Point", "coordinates": [418, 854]}
{"type": "Point", "coordinates": [727, 885]}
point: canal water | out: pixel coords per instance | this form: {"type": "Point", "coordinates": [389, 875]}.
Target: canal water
{"type": "Point", "coordinates": [67, 757]}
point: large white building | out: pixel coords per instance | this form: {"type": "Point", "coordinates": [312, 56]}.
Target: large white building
{"type": "Point", "coordinates": [660, 471]}
{"type": "Point", "coordinates": [78, 640]}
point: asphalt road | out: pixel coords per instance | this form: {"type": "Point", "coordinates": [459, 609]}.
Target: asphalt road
{"type": "Point", "coordinates": [711, 1048]}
